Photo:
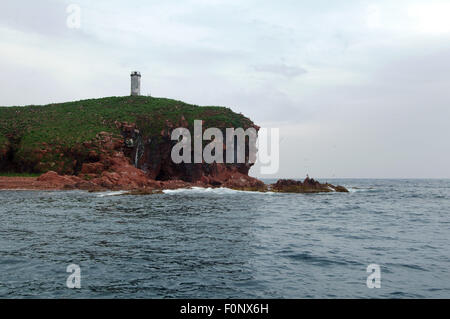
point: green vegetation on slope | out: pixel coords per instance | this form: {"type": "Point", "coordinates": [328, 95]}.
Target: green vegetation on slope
{"type": "Point", "coordinates": [65, 125]}
{"type": "Point", "coordinates": [2, 174]}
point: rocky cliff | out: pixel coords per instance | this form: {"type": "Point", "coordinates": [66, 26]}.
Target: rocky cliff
{"type": "Point", "coordinates": [121, 143]}
{"type": "Point", "coordinates": [116, 142]}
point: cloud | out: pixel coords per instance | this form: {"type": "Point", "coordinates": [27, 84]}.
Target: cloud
{"type": "Point", "coordinates": [280, 69]}
{"type": "Point", "coordinates": [337, 78]}
{"type": "Point", "coordinates": [46, 17]}
{"type": "Point", "coordinates": [431, 17]}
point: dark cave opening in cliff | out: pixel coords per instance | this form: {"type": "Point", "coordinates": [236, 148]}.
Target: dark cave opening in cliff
{"type": "Point", "coordinates": [162, 176]}
{"type": "Point", "coordinates": [171, 171]}
{"type": "Point", "coordinates": [7, 166]}
{"type": "Point", "coordinates": [10, 164]}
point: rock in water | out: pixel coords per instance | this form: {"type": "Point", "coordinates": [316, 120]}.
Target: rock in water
{"type": "Point", "coordinates": [309, 185]}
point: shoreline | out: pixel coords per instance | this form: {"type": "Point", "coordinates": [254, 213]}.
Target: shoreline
{"type": "Point", "coordinates": [51, 181]}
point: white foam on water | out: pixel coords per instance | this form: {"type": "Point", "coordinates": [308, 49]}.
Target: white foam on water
{"type": "Point", "coordinates": [115, 193]}
{"type": "Point", "coordinates": [209, 190]}
{"type": "Point", "coordinates": [358, 189]}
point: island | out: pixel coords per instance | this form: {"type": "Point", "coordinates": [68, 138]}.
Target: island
{"type": "Point", "coordinates": [120, 143]}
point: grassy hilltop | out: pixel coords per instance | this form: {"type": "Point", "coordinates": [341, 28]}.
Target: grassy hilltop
{"type": "Point", "coordinates": [63, 127]}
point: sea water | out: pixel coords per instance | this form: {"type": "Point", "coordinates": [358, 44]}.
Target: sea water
{"type": "Point", "coordinates": [221, 243]}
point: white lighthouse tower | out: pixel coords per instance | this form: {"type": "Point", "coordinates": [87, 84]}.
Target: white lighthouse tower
{"type": "Point", "coordinates": [135, 83]}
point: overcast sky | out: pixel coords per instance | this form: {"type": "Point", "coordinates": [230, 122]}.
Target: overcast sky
{"type": "Point", "coordinates": [357, 88]}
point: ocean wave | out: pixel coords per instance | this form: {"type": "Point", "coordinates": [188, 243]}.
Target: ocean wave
{"type": "Point", "coordinates": [209, 190]}
{"type": "Point", "coordinates": [359, 189]}
{"type": "Point", "coordinates": [115, 193]}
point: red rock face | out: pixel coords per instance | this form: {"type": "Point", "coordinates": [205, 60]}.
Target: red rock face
{"type": "Point", "coordinates": [135, 161]}
{"type": "Point", "coordinates": [152, 154]}
{"type": "Point", "coordinates": [54, 180]}
{"type": "Point", "coordinates": [144, 163]}
{"type": "Point", "coordinates": [121, 175]}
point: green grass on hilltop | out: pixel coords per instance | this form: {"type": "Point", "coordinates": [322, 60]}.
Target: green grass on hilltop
{"type": "Point", "coordinates": [64, 125]}
{"type": "Point", "coordinates": [75, 122]}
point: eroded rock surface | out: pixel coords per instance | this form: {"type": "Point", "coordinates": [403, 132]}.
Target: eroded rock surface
{"type": "Point", "coordinates": [309, 185]}
{"type": "Point", "coordinates": [110, 165]}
